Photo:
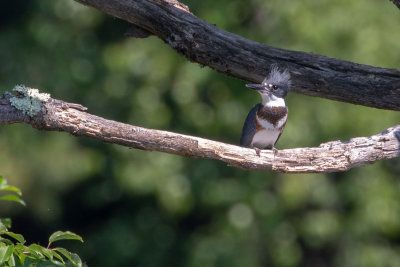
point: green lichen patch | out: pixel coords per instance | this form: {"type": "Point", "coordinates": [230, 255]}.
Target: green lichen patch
{"type": "Point", "coordinates": [28, 100]}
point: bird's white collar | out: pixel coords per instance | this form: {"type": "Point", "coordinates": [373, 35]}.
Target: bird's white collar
{"type": "Point", "coordinates": [272, 101]}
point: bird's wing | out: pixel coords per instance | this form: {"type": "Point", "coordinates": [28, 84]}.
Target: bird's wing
{"type": "Point", "coordinates": [249, 127]}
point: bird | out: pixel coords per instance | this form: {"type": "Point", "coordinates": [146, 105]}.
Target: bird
{"type": "Point", "coordinates": [266, 120]}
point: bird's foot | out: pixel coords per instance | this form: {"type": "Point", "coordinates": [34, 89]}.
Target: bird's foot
{"type": "Point", "coordinates": [258, 150]}
{"type": "Point", "coordinates": [274, 150]}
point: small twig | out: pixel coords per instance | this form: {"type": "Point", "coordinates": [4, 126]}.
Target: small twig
{"type": "Point", "coordinates": [57, 115]}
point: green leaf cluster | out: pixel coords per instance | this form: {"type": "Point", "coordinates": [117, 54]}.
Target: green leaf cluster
{"type": "Point", "coordinates": [14, 252]}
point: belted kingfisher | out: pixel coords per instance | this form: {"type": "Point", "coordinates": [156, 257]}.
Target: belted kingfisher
{"type": "Point", "coordinates": [265, 122]}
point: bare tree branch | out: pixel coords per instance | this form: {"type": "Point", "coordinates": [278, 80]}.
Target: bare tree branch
{"type": "Point", "coordinates": [234, 55]}
{"type": "Point", "coordinates": [396, 2]}
{"type": "Point", "coordinates": [57, 115]}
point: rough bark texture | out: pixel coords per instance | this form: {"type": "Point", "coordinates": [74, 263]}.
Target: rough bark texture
{"type": "Point", "coordinates": [231, 54]}
{"type": "Point", "coordinates": [333, 156]}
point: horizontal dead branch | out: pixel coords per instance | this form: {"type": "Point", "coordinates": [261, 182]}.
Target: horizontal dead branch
{"type": "Point", "coordinates": [57, 115]}
{"type": "Point", "coordinates": [234, 55]}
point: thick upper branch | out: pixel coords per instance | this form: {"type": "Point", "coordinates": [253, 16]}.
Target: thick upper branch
{"type": "Point", "coordinates": [333, 156]}
{"type": "Point", "coordinates": [208, 45]}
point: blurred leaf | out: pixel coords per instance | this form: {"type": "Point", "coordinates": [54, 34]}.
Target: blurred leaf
{"type": "Point", "coordinates": [35, 262]}
{"type": "Point", "coordinates": [6, 222]}
{"type": "Point", "coordinates": [11, 188]}
{"type": "Point", "coordinates": [39, 249]}
{"type": "Point", "coordinates": [6, 241]}
{"type": "Point", "coordinates": [73, 258]}
{"type": "Point", "coordinates": [60, 235]}
{"type": "Point", "coordinates": [5, 253]}
{"type": "Point", "coordinates": [13, 198]}
{"type": "Point", "coordinates": [56, 255]}
{"type": "Point", "coordinates": [76, 260]}
{"type": "Point", "coordinates": [5, 187]}
{"type": "Point", "coordinates": [19, 251]}
{"type": "Point", "coordinates": [11, 261]}
{"type": "Point", "coordinates": [3, 181]}
{"type": "Point", "coordinates": [2, 227]}
{"type": "Point", "coordinates": [17, 237]}
{"type": "Point", "coordinates": [33, 253]}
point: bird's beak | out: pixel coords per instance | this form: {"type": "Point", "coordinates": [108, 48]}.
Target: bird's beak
{"type": "Point", "coordinates": [254, 86]}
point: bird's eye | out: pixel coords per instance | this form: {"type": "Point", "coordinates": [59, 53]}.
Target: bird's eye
{"type": "Point", "coordinates": [272, 86]}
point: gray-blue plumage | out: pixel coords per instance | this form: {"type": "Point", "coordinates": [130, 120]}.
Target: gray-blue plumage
{"type": "Point", "coordinates": [249, 127]}
{"type": "Point", "coordinates": [265, 122]}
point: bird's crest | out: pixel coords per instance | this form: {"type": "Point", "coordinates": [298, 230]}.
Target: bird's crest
{"type": "Point", "coordinates": [277, 77]}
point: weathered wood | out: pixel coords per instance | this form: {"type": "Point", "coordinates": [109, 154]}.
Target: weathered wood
{"type": "Point", "coordinates": [234, 55]}
{"type": "Point", "coordinates": [57, 115]}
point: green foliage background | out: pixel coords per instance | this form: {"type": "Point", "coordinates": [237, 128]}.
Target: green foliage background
{"type": "Point", "coordinates": [137, 208]}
